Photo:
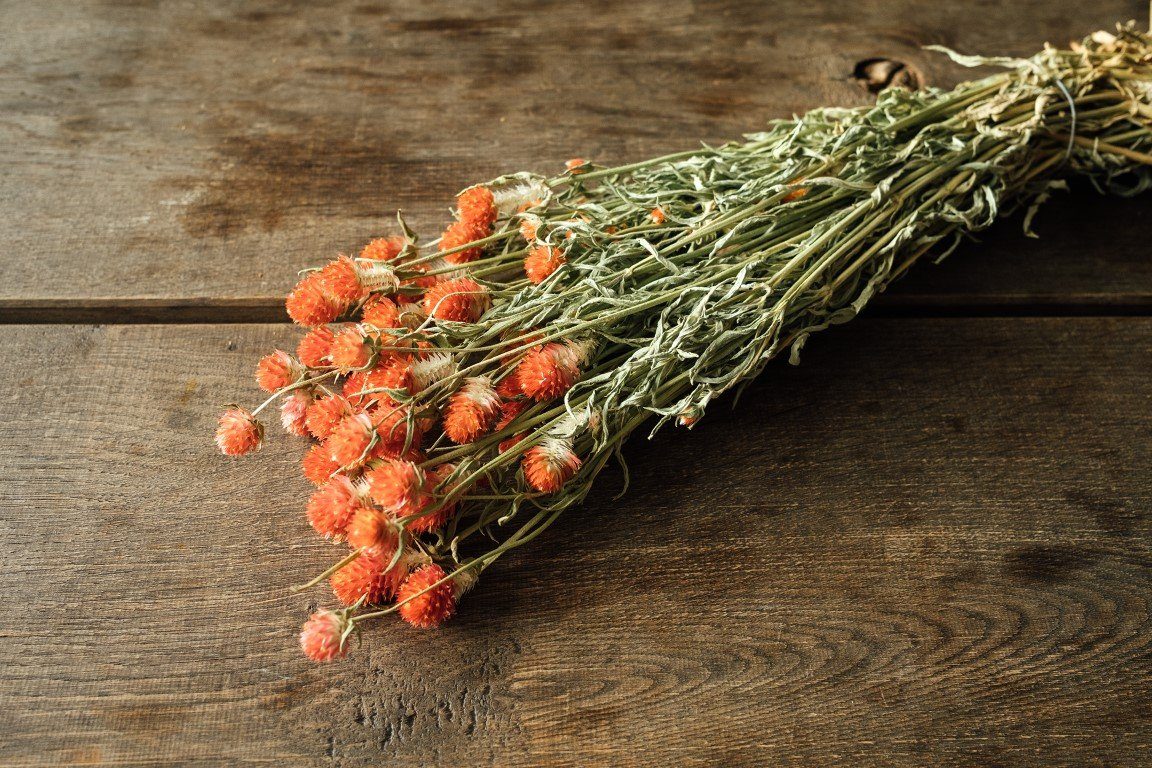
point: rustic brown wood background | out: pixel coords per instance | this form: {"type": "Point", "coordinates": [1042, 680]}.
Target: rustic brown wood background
{"type": "Point", "coordinates": [930, 544]}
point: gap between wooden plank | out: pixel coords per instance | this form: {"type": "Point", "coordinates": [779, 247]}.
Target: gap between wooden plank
{"type": "Point", "coordinates": [266, 310]}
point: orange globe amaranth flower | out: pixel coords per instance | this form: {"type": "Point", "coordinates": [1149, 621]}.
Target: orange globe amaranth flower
{"type": "Point", "coordinates": [351, 349]}
{"type": "Point", "coordinates": [350, 440]}
{"type": "Point", "coordinates": [238, 432]}
{"type": "Point", "coordinates": [318, 465]}
{"type": "Point", "coordinates": [341, 279]}
{"type": "Point", "coordinates": [294, 413]}
{"type": "Point", "coordinates": [541, 262]}
{"type": "Point", "coordinates": [322, 636]}
{"type": "Point", "coordinates": [277, 370]}
{"type": "Point", "coordinates": [313, 349]}
{"type": "Point", "coordinates": [372, 530]}
{"type": "Point", "coordinates": [509, 387]}
{"type": "Point", "coordinates": [548, 371]}
{"type": "Point", "coordinates": [383, 248]}
{"type": "Point", "coordinates": [657, 215]}
{"type": "Point", "coordinates": [353, 386]}
{"type": "Point", "coordinates": [398, 486]}
{"type": "Point", "coordinates": [369, 578]}
{"type": "Point", "coordinates": [433, 520]}
{"type": "Point", "coordinates": [472, 411]}
{"type": "Point", "coordinates": [548, 466]}
{"type": "Point", "coordinates": [509, 443]}
{"type": "Point", "coordinates": [324, 414]}
{"type": "Point", "coordinates": [530, 228]}
{"type": "Point", "coordinates": [311, 305]}
{"type": "Point", "coordinates": [509, 410]}
{"type": "Point", "coordinates": [395, 430]}
{"type": "Point", "coordinates": [330, 509]}
{"type": "Point", "coordinates": [478, 206]}
{"type": "Point", "coordinates": [461, 233]}
{"type": "Point", "coordinates": [575, 165]}
{"type": "Point", "coordinates": [395, 373]}
{"type": "Point", "coordinates": [462, 300]}
{"type": "Point", "coordinates": [434, 606]}
{"type": "Point", "coordinates": [381, 312]}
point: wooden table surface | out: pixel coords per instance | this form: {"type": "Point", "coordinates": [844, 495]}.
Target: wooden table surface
{"type": "Point", "coordinates": [930, 544]}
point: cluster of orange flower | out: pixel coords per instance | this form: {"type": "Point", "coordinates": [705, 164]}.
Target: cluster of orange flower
{"type": "Point", "coordinates": [351, 388]}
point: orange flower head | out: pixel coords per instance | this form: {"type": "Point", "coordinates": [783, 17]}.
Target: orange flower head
{"type": "Point", "coordinates": [575, 165]}
{"type": "Point", "coordinates": [530, 228]}
{"type": "Point", "coordinates": [509, 410]}
{"type": "Point", "coordinates": [238, 432]}
{"type": "Point", "coordinates": [350, 440]}
{"type": "Point", "coordinates": [472, 411]}
{"type": "Point", "coordinates": [313, 349]}
{"type": "Point", "coordinates": [351, 349]}
{"type": "Point", "coordinates": [353, 386]}
{"type": "Point", "coordinates": [548, 371]}
{"type": "Point", "coordinates": [341, 279]}
{"type": "Point", "coordinates": [461, 233]}
{"type": "Point", "coordinates": [509, 443]}
{"type": "Point", "coordinates": [383, 248]}
{"type": "Point", "coordinates": [548, 466]}
{"type": "Point", "coordinates": [396, 373]}
{"type": "Point", "coordinates": [294, 413]}
{"type": "Point", "coordinates": [657, 215]}
{"type": "Point", "coordinates": [369, 578]}
{"type": "Point", "coordinates": [277, 370]}
{"type": "Point", "coordinates": [431, 608]}
{"type": "Point", "coordinates": [395, 429]}
{"type": "Point", "coordinates": [311, 305]}
{"type": "Point", "coordinates": [398, 486]}
{"type": "Point", "coordinates": [322, 636]}
{"type": "Point", "coordinates": [372, 530]}
{"type": "Point", "coordinates": [324, 414]}
{"type": "Point", "coordinates": [435, 520]}
{"type": "Point", "coordinates": [381, 312]}
{"type": "Point", "coordinates": [318, 465]}
{"type": "Point", "coordinates": [541, 262]}
{"type": "Point", "coordinates": [330, 509]}
{"type": "Point", "coordinates": [796, 193]}
{"type": "Point", "coordinates": [478, 206]}
{"type": "Point", "coordinates": [509, 387]}
{"type": "Point", "coordinates": [462, 300]}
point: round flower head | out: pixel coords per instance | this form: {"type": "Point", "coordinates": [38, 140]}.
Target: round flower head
{"type": "Point", "coordinates": [381, 312]}
{"type": "Point", "coordinates": [340, 279]}
{"type": "Point", "coordinates": [369, 578]}
{"type": "Point", "coordinates": [238, 432]}
{"type": "Point", "coordinates": [541, 262]}
{"type": "Point", "coordinates": [353, 386]}
{"type": "Point", "coordinates": [398, 486]}
{"type": "Point", "coordinates": [548, 466]}
{"type": "Point", "coordinates": [313, 349]}
{"type": "Point", "coordinates": [430, 368]}
{"type": "Point", "coordinates": [575, 165]}
{"type": "Point", "coordinates": [396, 431]}
{"type": "Point", "coordinates": [395, 374]}
{"type": "Point", "coordinates": [478, 206]}
{"type": "Point", "coordinates": [434, 606]}
{"type": "Point", "coordinates": [350, 440]}
{"type": "Point", "coordinates": [434, 520]}
{"type": "Point", "coordinates": [462, 300]}
{"type": "Point", "coordinates": [311, 305]}
{"type": "Point", "coordinates": [294, 413]}
{"type": "Point", "coordinates": [548, 371]}
{"type": "Point", "coordinates": [657, 215]}
{"type": "Point", "coordinates": [330, 509]}
{"type": "Point", "coordinates": [383, 248]}
{"type": "Point", "coordinates": [325, 413]}
{"type": "Point", "coordinates": [277, 370]}
{"type": "Point", "coordinates": [458, 234]}
{"type": "Point", "coordinates": [472, 411]}
{"type": "Point", "coordinates": [318, 465]}
{"type": "Point", "coordinates": [351, 349]}
{"type": "Point", "coordinates": [372, 530]}
{"type": "Point", "coordinates": [530, 227]}
{"type": "Point", "coordinates": [322, 636]}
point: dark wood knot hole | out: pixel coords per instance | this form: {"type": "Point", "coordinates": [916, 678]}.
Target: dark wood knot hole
{"type": "Point", "coordinates": [880, 73]}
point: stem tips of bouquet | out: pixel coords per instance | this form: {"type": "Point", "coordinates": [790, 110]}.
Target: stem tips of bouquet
{"type": "Point", "coordinates": [460, 394]}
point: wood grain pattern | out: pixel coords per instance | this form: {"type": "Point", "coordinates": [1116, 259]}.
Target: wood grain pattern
{"type": "Point", "coordinates": [927, 545]}
{"type": "Point", "coordinates": [201, 152]}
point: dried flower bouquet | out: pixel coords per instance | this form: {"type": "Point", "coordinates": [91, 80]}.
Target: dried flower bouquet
{"type": "Point", "coordinates": [460, 395]}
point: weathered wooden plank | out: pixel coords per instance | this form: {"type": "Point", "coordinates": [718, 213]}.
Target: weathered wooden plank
{"type": "Point", "coordinates": [207, 150]}
{"type": "Point", "coordinates": [927, 545]}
